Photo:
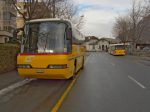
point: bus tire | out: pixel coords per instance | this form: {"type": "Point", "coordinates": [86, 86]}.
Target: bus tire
{"type": "Point", "coordinates": [74, 71]}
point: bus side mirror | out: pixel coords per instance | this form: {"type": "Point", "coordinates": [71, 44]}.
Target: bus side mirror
{"type": "Point", "coordinates": [15, 34]}
{"type": "Point", "coordinates": [16, 31]}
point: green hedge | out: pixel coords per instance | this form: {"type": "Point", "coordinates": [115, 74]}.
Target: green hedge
{"type": "Point", "coordinates": [8, 56]}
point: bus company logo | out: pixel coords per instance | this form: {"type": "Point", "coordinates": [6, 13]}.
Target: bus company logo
{"type": "Point", "coordinates": [29, 59]}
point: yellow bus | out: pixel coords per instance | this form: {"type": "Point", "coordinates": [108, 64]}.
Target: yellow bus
{"type": "Point", "coordinates": [50, 49]}
{"type": "Point", "coordinates": [117, 49]}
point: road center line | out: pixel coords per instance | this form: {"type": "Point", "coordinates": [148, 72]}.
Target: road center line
{"type": "Point", "coordinates": [138, 83]}
{"type": "Point", "coordinates": [14, 86]}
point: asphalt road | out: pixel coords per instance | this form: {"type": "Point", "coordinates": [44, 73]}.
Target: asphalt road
{"type": "Point", "coordinates": [107, 84]}
{"type": "Point", "coordinates": [36, 96]}
{"type": "Point", "coordinates": [110, 84]}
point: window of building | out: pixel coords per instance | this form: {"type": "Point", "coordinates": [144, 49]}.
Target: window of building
{"type": "Point", "coordinates": [4, 28]}
{"type": "Point", "coordinates": [100, 47]}
{"type": "Point", "coordinates": [6, 40]}
{"type": "Point", "coordinates": [6, 15]}
{"type": "Point", "coordinates": [8, 2]}
{"type": "Point", "coordinates": [0, 15]}
{"type": "Point", "coordinates": [93, 46]}
{"type": "Point", "coordinates": [10, 29]}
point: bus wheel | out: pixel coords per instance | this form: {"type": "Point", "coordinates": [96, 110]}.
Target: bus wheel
{"type": "Point", "coordinates": [27, 78]}
{"type": "Point", "coordinates": [74, 73]}
{"type": "Point", "coordinates": [82, 67]}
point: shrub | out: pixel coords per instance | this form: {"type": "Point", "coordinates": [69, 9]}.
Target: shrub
{"type": "Point", "coordinates": [8, 57]}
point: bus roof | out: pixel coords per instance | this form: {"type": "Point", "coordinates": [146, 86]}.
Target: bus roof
{"type": "Point", "coordinates": [48, 19]}
{"type": "Point", "coordinates": [77, 34]}
{"type": "Point", "coordinates": [119, 44]}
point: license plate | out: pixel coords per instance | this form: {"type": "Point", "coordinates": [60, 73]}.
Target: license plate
{"type": "Point", "coordinates": [39, 71]}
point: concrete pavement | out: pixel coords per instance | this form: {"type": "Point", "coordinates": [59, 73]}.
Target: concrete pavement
{"type": "Point", "coordinates": [36, 96]}
{"type": "Point", "coordinates": [9, 78]}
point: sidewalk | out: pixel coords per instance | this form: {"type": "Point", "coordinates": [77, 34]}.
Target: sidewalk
{"type": "Point", "coordinates": [9, 78]}
{"type": "Point", "coordinates": [145, 60]}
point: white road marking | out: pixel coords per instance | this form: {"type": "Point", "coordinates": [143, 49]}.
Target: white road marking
{"type": "Point", "coordinates": [138, 83]}
{"type": "Point", "coordinates": [14, 86]}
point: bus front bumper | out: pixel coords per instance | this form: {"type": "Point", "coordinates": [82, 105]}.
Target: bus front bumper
{"type": "Point", "coordinates": [45, 73]}
{"type": "Point", "coordinates": [119, 54]}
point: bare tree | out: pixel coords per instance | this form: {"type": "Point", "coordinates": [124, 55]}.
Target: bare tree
{"type": "Point", "coordinates": [121, 29]}
{"type": "Point", "coordinates": [132, 26]}
{"type": "Point", "coordinates": [78, 21]}
{"type": "Point", "coordinates": [138, 23]}
{"type": "Point", "coordinates": [65, 9]}
{"type": "Point", "coordinates": [35, 9]}
{"type": "Point", "coordinates": [56, 8]}
{"type": "Point", "coordinates": [146, 8]}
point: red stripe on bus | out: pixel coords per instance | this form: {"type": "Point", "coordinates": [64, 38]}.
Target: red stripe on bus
{"type": "Point", "coordinates": [24, 54]}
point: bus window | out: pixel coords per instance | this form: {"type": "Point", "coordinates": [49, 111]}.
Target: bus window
{"type": "Point", "coordinates": [69, 40]}
{"type": "Point", "coordinates": [46, 37]}
{"type": "Point", "coordinates": [119, 47]}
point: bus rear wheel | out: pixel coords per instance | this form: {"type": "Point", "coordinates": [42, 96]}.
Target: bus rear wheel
{"type": "Point", "coordinates": [74, 73]}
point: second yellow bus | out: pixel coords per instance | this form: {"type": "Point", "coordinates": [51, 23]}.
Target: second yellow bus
{"type": "Point", "coordinates": [117, 49]}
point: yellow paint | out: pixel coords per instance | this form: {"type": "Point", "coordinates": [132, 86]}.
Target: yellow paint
{"type": "Point", "coordinates": [119, 52]}
{"type": "Point", "coordinates": [60, 101]}
{"type": "Point", "coordinates": [40, 63]}
{"type": "Point", "coordinates": [29, 58]}
{"type": "Point", "coordinates": [117, 49]}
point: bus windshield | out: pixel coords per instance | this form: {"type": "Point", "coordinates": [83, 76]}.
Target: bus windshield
{"type": "Point", "coordinates": [45, 37]}
{"type": "Point", "coordinates": [119, 47]}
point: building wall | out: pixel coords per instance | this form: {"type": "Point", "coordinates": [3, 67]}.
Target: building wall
{"type": "Point", "coordinates": [97, 45]}
{"type": "Point", "coordinates": [2, 39]}
{"type": "Point", "coordinates": [7, 20]}
{"type": "Point", "coordinates": [102, 45]}
{"type": "Point", "coordinates": [88, 45]}
{"type": "Point", "coordinates": [20, 22]}
{"type": "Point", "coordinates": [20, 19]}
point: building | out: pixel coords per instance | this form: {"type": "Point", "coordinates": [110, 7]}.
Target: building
{"type": "Point", "coordinates": [7, 20]}
{"type": "Point", "coordinates": [93, 43]}
{"type": "Point", "coordinates": [19, 19]}
{"type": "Point", "coordinates": [103, 43]}
{"type": "Point", "coordinates": [89, 43]}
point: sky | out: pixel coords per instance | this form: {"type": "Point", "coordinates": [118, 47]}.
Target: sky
{"type": "Point", "coordinates": [99, 15]}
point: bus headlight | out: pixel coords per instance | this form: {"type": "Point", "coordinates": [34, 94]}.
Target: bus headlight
{"type": "Point", "coordinates": [57, 66]}
{"type": "Point", "coordinates": [23, 66]}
